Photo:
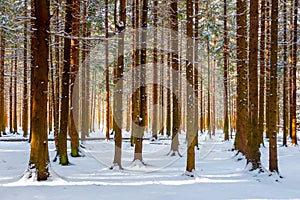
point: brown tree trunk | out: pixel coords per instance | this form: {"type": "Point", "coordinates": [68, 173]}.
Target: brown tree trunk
{"type": "Point", "coordinates": [225, 55]}
{"type": "Point", "coordinates": [285, 76]}
{"type": "Point", "coordinates": [118, 91]}
{"type": "Point", "coordinates": [39, 156]}
{"type": "Point", "coordinates": [15, 121]}
{"type": "Point", "coordinates": [242, 89]}
{"type": "Point", "coordinates": [107, 101]}
{"type": "Point", "coordinates": [175, 77]}
{"type": "Point", "coordinates": [294, 77]}
{"type": "Point", "coordinates": [57, 79]}
{"type": "Point", "coordinates": [191, 133]}
{"type": "Point", "coordinates": [11, 130]}
{"type": "Point", "coordinates": [253, 153]}
{"type": "Point", "coordinates": [25, 74]}
{"type": "Point", "coordinates": [273, 161]}
{"type": "Point", "coordinates": [2, 88]}
{"type": "Point", "coordinates": [268, 51]}
{"type": "Point", "coordinates": [143, 96]}
{"type": "Point", "coordinates": [74, 62]}
{"type": "Point", "coordinates": [196, 71]}
{"type": "Point", "coordinates": [155, 116]}
{"type": "Point", "coordinates": [262, 72]}
{"type": "Point", "coordinates": [65, 105]}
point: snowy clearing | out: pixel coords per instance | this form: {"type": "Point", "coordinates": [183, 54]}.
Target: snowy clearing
{"type": "Point", "coordinates": [219, 174]}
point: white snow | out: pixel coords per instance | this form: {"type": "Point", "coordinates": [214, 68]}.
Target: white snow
{"type": "Point", "coordinates": [220, 174]}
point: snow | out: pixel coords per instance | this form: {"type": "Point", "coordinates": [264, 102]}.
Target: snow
{"type": "Point", "coordinates": [220, 173]}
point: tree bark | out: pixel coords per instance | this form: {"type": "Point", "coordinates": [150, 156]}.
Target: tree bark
{"type": "Point", "coordinates": [294, 77]}
{"type": "Point", "coordinates": [118, 91]}
{"type": "Point", "coordinates": [242, 79]}
{"type": "Point", "coordinates": [65, 105]}
{"type": "Point", "coordinates": [25, 74]}
{"type": "Point", "coordinates": [191, 133]}
{"type": "Point", "coordinates": [273, 161]}
{"type": "Point", "coordinates": [74, 62]}
{"type": "Point", "coordinates": [225, 55]}
{"type": "Point", "coordinates": [39, 156]}
{"type": "Point", "coordinates": [253, 153]}
{"type": "Point", "coordinates": [262, 72]}
{"type": "Point", "coordinates": [2, 88]}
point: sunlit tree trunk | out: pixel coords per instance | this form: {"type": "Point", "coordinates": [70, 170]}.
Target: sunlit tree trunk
{"type": "Point", "coordinates": [39, 156]}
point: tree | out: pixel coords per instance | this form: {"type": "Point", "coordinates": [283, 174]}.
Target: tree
{"type": "Point", "coordinates": [253, 153]}
{"type": "Point", "coordinates": [191, 134]}
{"type": "Point", "coordinates": [143, 96]}
{"type": "Point", "coordinates": [285, 76]}
{"type": "Point", "coordinates": [117, 96]}
{"type": "Point", "coordinates": [225, 54]}
{"type": "Point", "coordinates": [107, 106]}
{"type": "Point", "coordinates": [242, 80]}
{"type": "Point", "coordinates": [155, 118]}
{"type": "Point", "coordinates": [294, 77]}
{"type": "Point", "coordinates": [273, 162]}
{"type": "Point", "coordinates": [65, 105]}
{"type": "Point", "coordinates": [175, 70]}
{"type": "Point", "coordinates": [25, 79]}
{"type": "Point", "coordinates": [74, 64]}
{"type": "Point", "coordinates": [39, 156]}
{"type": "Point", "coordinates": [262, 71]}
{"type": "Point", "coordinates": [2, 98]}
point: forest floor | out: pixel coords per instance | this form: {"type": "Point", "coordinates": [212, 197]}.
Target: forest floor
{"type": "Point", "coordinates": [220, 173]}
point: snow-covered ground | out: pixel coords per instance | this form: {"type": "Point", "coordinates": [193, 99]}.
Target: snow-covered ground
{"type": "Point", "coordinates": [219, 173]}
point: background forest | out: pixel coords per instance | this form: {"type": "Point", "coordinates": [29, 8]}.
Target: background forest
{"type": "Point", "coordinates": [141, 70]}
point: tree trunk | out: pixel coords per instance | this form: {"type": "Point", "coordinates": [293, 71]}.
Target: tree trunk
{"type": "Point", "coordinates": [191, 133]}
{"type": "Point", "coordinates": [118, 91]}
{"type": "Point", "coordinates": [2, 84]}
{"type": "Point", "coordinates": [155, 116]}
{"type": "Point", "coordinates": [175, 77]}
{"type": "Point", "coordinates": [285, 76]}
{"type": "Point", "coordinates": [65, 106]}
{"type": "Point", "coordinates": [268, 50]}
{"type": "Point", "coordinates": [39, 156]}
{"type": "Point", "coordinates": [294, 77]}
{"type": "Point", "coordinates": [225, 55]}
{"type": "Point", "coordinates": [253, 153]}
{"type": "Point", "coordinates": [262, 72]}
{"type": "Point", "coordinates": [15, 121]}
{"type": "Point", "coordinates": [107, 106]}
{"type": "Point", "coordinates": [273, 161]}
{"type": "Point", "coordinates": [143, 96]}
{"type": "Point", "coordinates": [74, 62]}
{"type": "Point", "coordinates": [25, 79]}
{"type": "Point", "coordinates": [242, 89]}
